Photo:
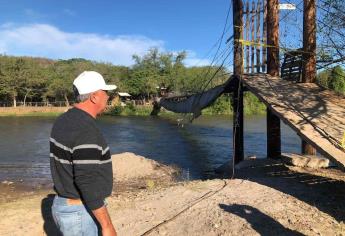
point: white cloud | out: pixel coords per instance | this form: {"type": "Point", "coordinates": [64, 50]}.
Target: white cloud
{"type": "Point", "coordinates": [190, 61]}
{"type": "Point", "coordinates": [193, 60]}
{"type": "Point", "coordinates": [43, 40]}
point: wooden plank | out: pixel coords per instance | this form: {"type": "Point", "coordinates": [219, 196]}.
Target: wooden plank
{"type": "Point", "coordinates": [289, 57]}
{"type": "Point", "coordinates": [247, 37]}
{"type": "Point", "coordinates": [291, 71]}
{"type": "Point", "coordinates": [261, 64]}
{"type": "Point", "coordinates": [264, 37]}
{"type": "Point", "coordinates": [291, 74]}
{"type": "Point", "coordinates": [252, 27]}
{"type": "Point", "coordinates": [258, 48]}
{"type": "Point", "coordinates": [307, 109]}
{"type": "Point", "coordinates": [292, 63]}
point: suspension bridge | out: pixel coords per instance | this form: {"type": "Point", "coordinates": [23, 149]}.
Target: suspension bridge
{"type": "Point", "coordinates": [288, 89]}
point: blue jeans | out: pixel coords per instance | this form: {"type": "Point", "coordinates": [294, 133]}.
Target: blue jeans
{"type": "Point", "coordinates": [73, 220]}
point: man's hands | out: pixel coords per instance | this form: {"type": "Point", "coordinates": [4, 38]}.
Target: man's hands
{"type": "Point", "coordinates": [110, 231]}
{"type": "Point", "coordinates": [104, 220]}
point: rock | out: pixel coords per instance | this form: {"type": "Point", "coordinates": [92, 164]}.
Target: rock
{"type": "Point", "coordinates": [318, 162]}
{"type": "Point", "coordinates": [305, 161]}
{"type": "Point", "coordinates": [295, 160]}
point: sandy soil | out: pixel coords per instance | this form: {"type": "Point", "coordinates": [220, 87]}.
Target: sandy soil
{"type": "Point", "coordinates": [266, 198]}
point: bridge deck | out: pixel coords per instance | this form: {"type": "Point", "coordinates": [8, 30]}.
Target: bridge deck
{"type": "Point", "coordinates": [316, 114]}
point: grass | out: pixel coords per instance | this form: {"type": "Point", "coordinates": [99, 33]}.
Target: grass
{"type": "Point", "coordinates": [31, 114]}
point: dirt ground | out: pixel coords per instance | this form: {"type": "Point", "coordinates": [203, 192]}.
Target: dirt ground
{"type": "Point", "coordinates": [266, 198]}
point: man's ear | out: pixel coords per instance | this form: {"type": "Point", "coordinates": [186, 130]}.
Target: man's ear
{"type": "Point", "coordinates": [93, 97]}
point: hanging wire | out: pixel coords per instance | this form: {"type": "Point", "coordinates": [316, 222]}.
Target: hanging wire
{"type": "Point", "coordinates": [216, 57]}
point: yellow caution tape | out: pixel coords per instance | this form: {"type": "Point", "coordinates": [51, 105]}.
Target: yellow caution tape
{"type": "Point", "coordinates": [250, 43]}
{"type": "Point", "coordinates": [257, 44]}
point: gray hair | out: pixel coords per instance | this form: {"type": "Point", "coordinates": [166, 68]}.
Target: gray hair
{"type": "Point", "coordinates": [83, 97]}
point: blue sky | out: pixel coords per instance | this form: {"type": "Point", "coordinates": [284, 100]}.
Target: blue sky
{"type": "Point", "coordinates": [110, 31]}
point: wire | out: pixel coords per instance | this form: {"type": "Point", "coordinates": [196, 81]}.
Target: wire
{"type": "Point", "coordinates": [219, 42]}
{"type": "Point", "coordinates": [331, 28]}
{"type": "Point", "coordinates": [203, 197]}
{"type": "Point", "coordinates": [330, 5]}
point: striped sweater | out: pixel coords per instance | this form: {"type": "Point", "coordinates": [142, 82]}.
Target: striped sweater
{"type": "Point", "coordinates": [80, 160]}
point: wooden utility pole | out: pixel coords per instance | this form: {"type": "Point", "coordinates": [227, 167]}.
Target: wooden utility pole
{"type": "Point", "coordinates": [273, 121]}
{"type": "Point", "coordinates": [238, 71]}
{"type": "Point", "coordinates": [309, 42]}
{"type": "Point", "coordinates": [309, 54]}
{"type": "Point", "coordinates": [273, 37]}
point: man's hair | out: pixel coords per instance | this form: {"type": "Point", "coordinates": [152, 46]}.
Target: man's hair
{"type": "Point", "coordinates": [83, 97]}
{"type": "Point", "coordinates": [80, 97]}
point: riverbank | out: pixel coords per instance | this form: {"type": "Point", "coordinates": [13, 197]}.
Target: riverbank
{"type": "Point", "coordinates": [116, 111]}
{"type": "Point", "coordinates": [266, 198]}
{"type": "Point", "coordinates": [32, 111]}
{"type": "Point", "coordinates": [222, 106]}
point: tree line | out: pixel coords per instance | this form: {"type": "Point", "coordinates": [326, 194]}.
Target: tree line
{"type": "Point", "coordinates": [28, 79]}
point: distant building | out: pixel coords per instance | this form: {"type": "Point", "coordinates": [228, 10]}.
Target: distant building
{"type": "Point", "coordinates": [124, 97]}
{"type": "Point", "coordinates": [121, 98]}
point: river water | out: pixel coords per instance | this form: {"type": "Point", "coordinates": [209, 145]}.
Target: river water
{"type": "Point", "coordinates": [197, 148]}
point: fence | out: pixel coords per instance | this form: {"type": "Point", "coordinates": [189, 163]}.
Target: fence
{"type": "Point", "coordinates": [63, 103]}
{"type": "Point", "coordinates": [254, 36]}
{"type": "Point", "coordinates": [36, 104]}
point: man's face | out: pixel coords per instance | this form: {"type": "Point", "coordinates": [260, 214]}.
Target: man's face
{"type": "Point", "coordinates": [102, 100]}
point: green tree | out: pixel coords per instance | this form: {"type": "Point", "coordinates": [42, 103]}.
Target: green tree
{"type": "Point", "coordinates": [157, 69]}
{"type": "Point", "coordinates": [60, 86]}
{"type": "Point", "coordinates": [337, 79]}
{"type": "Point", "coordinates": [13, 77]}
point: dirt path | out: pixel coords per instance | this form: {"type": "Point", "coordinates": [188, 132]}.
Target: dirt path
{"type": "Point", "coordinates": [266, 199]}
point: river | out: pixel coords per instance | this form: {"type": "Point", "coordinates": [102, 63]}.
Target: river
{"type": "Point", "coordinates": [197, 148]}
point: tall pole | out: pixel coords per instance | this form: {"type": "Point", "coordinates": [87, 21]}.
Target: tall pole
{"type": "Point", "coordinates": [309, 55]}
{"type": "Point", "coordinates": [273, 122]}
{"type": "Point", "coordinates": [309, 42]}
{"type": "Point", "coordinates": [238, 71]}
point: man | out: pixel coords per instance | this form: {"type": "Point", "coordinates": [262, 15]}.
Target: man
{"type": "Point", "coordinates": [80, 162]}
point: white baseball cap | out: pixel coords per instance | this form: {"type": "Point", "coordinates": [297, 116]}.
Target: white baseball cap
{"type": "Point", "coordinates": [91, 81]}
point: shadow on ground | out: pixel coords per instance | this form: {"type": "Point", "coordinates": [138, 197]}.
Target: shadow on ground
{"type": "Point", "coordinates": [325, 193]}
{"type": "Point", "coordinates": [260, 222]}
{"type": "Point", "coordinates": [49, 226]}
